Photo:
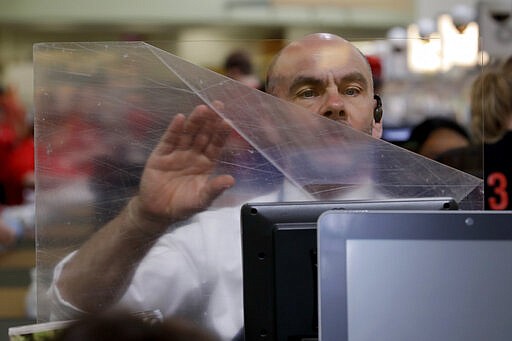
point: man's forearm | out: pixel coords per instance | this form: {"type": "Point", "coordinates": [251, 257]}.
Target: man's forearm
{"type": "Point", "coordinates": [99, 273]}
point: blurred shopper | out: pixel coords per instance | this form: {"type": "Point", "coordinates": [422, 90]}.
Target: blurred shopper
{"type": "Point", "coordinates": [19, 172]}
{"type": "Point", "coordinates": [376, 66]}
{"type": "Point", "coordinates": [17, 208]}
{"type": "Point", "coordinates": [16, 171]}
{"type": "Point", "coordinates": [467, 159]}
{"type": "Point", "coordinates": [16, 150]}
{"type": "Point", "coordinates": [491, 113]}
{"type": "Point", "coordinates": [7, 142]}
{"type": "Point", "coordinates": [238, 66]}
{"type": "Point", "coordinates": [437, 135]}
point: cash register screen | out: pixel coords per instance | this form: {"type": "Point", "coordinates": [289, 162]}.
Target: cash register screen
{"type": "Point", "coordinates": [451, 285]}
{"type": "Point", "coordinates": [429, 290]}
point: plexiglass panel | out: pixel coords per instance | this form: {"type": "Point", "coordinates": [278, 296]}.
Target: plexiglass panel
{"type": "Point", "coordinates": [102, 107]}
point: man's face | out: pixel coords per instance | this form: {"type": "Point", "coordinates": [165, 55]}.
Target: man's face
{"type": "Point", "coordinates": [328, 77]}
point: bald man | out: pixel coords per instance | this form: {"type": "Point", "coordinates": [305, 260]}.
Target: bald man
{"type": "Point", "coordinates": [329, 76]}
{"type": "Point", "coordinates": [145, 259]}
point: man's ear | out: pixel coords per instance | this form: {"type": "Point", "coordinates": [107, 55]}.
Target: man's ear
{"type": "Point", "coordinates": [377, 117]}
{"type": "Point", "coordinates": [377, 108]}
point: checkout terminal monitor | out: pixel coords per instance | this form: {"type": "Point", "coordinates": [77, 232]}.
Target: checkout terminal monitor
{"type": "Point", "coordinates": [411, 275]}
{"type": "Point", "coordinates": [279, 243]}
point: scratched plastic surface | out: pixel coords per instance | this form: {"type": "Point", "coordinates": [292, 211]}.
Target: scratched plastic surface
{"type": "Point", "coordinates": [101, 108]}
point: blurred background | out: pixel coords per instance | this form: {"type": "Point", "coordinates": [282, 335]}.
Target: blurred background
{"type": "Point", "coordinates": [424, 55]}
{"type": "Point", "coordinates": [456, 36]}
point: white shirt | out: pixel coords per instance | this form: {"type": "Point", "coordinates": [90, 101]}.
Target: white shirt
{"type": "Point", "coordinates": [195, 271]}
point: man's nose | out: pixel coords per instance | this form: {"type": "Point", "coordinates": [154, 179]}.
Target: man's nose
{"type": "Point", "coordinates": [334, 107]}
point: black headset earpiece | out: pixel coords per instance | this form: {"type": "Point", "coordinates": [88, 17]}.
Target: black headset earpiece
{"type": "Point", "coordinates": [377, 112]}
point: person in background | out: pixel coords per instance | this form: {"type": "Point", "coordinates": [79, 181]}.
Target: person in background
{"type": "Point", "coordinates": [238, 66]}
{"type": "Point", "coordinates": [491, 120]}
{"type": "Point", "coordinates": [437, 135]}
{"type": "Point", "coordinates": [150, 256]}
{"type": "Point", "coordinates": [17, 209]}
{"type": "Point", "coordinates": [468, 159]}
{"type": "Point", "coordinates": [17, 182]}
{"type": "Point", "coordinates": [16, 150]}
{"type": "Point", "coordinates": [7, 140]}
{"type": "Point", "coordinates": [376, 67]}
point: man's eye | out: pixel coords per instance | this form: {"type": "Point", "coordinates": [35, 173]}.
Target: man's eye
{"type": "Point", "coordinates": [352, 91]}
{"type": "Point", "coordinates": [308, 93]}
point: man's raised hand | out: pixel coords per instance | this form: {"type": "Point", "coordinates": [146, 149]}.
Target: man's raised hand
{"type": "Point", "coordinates": [177, 181]}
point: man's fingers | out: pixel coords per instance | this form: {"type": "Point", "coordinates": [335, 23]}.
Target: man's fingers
{"type": "Point", "coordinates": [210, 125]}
{"type": "Point", "coordinates": [218, 140]}
{"type": "Point", "coordinates": [171, 136]}
{"type": "Point", "coordinates": [182, 130]}
{"type": "Point", "coordinates": [206, 134]}
{"type": "Point", "coordinates": [200, 116]}
{"type": "Point", "coordinates": [202, 128]}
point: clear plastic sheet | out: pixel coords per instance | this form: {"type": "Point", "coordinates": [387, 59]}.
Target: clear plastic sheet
{"type": "Point", "coordinates": [102, 107]}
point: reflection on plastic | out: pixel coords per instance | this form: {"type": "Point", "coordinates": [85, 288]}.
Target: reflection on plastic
{"type": "Point", "coordinates": [101, 107]}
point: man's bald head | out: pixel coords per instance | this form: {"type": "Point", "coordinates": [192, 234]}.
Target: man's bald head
{"type": "Point", "coordinates": [309, 44]}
